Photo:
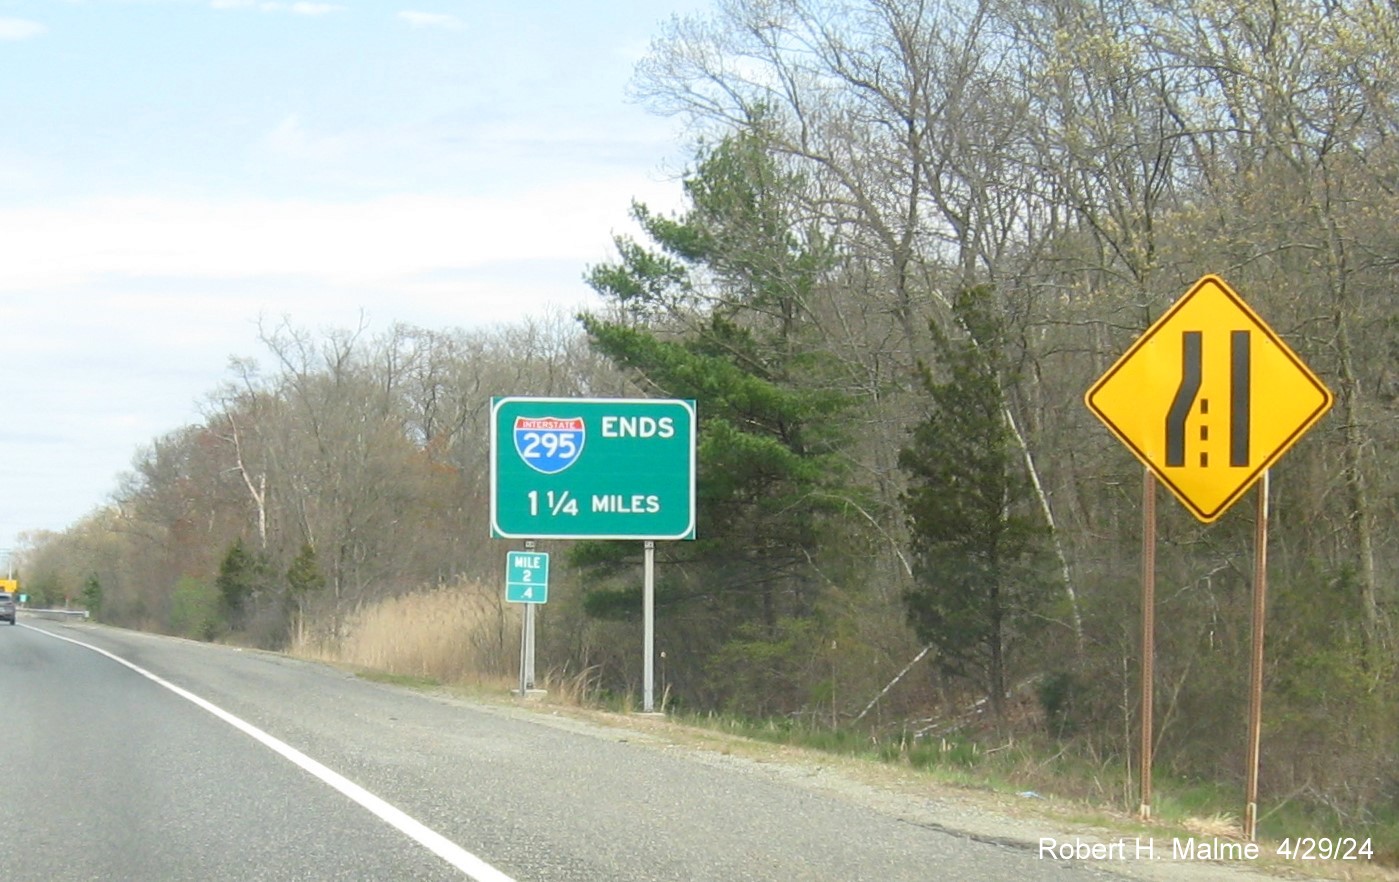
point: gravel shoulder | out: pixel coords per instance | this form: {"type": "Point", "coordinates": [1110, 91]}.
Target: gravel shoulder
{"type": "Point", "coordinates": [1124, 845]}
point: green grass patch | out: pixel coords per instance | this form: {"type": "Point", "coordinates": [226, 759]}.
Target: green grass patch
{"type": "Point", "coordinates": [949, 757]}
{"type": "Point", "coordinates": [409, 680]}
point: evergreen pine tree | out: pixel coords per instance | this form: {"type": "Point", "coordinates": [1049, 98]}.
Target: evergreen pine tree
{"type": "Point", "coordinates": [979, 553]}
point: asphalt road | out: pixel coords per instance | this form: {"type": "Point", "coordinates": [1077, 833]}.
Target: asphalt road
{"type": "Point", "coordinates": [106, 774]}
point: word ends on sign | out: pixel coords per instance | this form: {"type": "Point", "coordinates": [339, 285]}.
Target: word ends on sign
{"type": "Point", "coordinates": [1209, 397]}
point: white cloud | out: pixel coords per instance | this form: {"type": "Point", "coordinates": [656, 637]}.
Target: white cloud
{"type": "Point", "coordinates": [291, 140]}
{"type": "Point", "coordinates": [399, 239]}
{"type": "Point", "coordinates": [315, 8]}
{"type": "Point", "coordinates": [300, 8]}
{"type": "Point", "coordinates": [20, 29]}
{"type": "Point", "coordinates": [23, 172]}
{"type": "Point", "coordinates": [431, 20]}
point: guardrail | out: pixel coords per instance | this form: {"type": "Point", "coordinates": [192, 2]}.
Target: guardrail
{"type": "Point", "coordinates": [63, 614]}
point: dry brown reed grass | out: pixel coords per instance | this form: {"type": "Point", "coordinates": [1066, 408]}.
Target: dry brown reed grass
{"type": "Point", "coordinates": [1220, 825]}
{"type": "Point", "coordinates": [463, 634]}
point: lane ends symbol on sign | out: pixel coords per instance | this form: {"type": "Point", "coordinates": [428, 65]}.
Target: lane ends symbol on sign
{"type": "Point", "coordinates": [1208, 398]}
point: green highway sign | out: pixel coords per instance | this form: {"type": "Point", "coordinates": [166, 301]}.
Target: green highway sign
{"type": "Point", "coordinates": [527, 577]}
{"type": "Point", "coordinates": [592, 468]}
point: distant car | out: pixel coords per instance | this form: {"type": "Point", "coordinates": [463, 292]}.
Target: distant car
{"type": "Point", "coordinates": [7, 607]}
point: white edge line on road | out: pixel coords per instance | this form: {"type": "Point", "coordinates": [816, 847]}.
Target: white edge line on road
{"type": "Point", "coordinates": [430, 839]}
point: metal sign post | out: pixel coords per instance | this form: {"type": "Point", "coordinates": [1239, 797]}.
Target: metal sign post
{"type": "Point", "coordinates": [1255, 678]}
{"type": "Point", "coordinates": [527, 651]}
{"type": "Point", "coordinates": [1148, 637]}
{"type": "Point", "coordinates": [527, 582]}
{"type": "Point", "coordinates": [648, 615]}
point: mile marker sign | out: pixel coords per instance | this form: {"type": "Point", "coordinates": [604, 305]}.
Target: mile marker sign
{"type": "Point", "coordinates": [527, 577]}
{"type": "Point", "coordinates": [1208, 398]}
{"type": "Point", "coordinates": [592, 468]}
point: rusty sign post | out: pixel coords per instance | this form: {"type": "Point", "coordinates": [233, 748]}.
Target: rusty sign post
{"type": "Point", "coordinates": [1148, 638]}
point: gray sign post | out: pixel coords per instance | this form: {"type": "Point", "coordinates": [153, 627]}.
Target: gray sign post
{"type": "Point", "coordinates": [527, 582]}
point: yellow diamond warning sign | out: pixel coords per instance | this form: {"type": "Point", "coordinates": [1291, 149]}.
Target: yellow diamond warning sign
{"type": "Point", "coordinates": [1208, 398]}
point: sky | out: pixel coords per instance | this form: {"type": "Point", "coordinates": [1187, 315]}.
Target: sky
{"type": "Point", "coordinates": [172, 172]}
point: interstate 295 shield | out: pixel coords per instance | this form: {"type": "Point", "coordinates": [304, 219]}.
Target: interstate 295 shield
{"type": "Point", "coordinates": [549, 444]}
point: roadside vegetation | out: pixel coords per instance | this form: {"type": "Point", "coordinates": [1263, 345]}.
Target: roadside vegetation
{"type": "Point", "coordinates": [913, 236]}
